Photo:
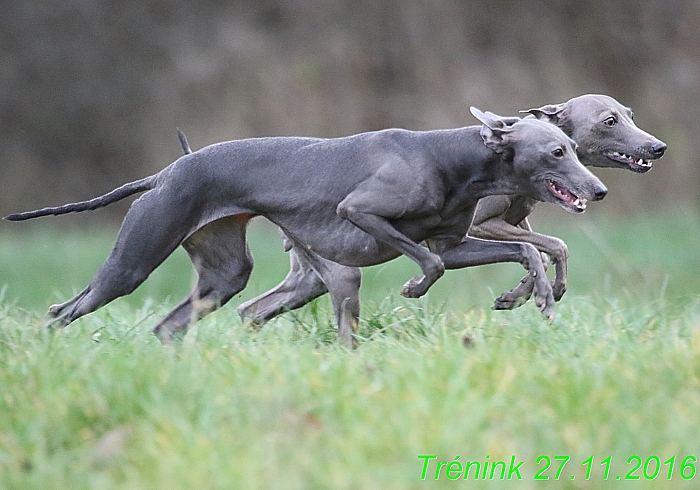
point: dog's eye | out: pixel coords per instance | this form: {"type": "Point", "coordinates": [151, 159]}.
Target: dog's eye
{"type": "Point", "coordinates": [611, 121]}
{"type": "Point", "coordinates": [558, 153]}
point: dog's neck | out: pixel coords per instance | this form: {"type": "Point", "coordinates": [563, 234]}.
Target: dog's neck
{"type": "Point", "coordinates": [468, 166]}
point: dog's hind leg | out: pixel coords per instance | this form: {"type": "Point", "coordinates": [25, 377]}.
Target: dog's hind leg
{"type": "Point", "coordinates": [343, 284]}
{"type": "Point", "coordinates": [223, 262]}
{"type": "Point", "coordinates": [301, 286]}
{"type": "Point", "coordinates": [141, 246]}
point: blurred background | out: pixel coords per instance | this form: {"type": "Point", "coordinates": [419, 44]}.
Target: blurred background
{"type": "Point", "coordinates": [91, 92]}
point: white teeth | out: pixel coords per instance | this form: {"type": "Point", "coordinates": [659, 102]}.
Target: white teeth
{"type": "Point", "coordinates": [641, 162]}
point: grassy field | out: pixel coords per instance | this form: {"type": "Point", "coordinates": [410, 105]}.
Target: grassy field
{"type": "Point", "coordinates": [617, 373]}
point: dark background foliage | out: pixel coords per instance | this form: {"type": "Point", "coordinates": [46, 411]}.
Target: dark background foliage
{"type": "Point", "coordinates": [91, 91]}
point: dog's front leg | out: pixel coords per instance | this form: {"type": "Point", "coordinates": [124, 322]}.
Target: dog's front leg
{"type": "Point", "coordinates": [473, 251]}
{"type": "Point", "coordinates": [498, 229]}
{"type": "Point", "coordinates": [525, 225]}
{"type": "Point", "coordinates": [380, 228]}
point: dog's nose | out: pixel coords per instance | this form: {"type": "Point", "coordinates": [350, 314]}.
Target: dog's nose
{"type": "Point", "coordinates": [659, 148]}
{"type": "Point", "coordinates": [600, 192]}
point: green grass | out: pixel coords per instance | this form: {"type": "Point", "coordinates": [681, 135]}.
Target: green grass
{"type": "Point", "coordinates": [102, 404]}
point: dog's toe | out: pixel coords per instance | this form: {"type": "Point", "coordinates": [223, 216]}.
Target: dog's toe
{"type": "Point", "coordinates": [413, 288]}
{"type": "Point", "coordinates": [515, 297]}
{"type": "Point", "coordinates": [545, 302]}
{"type": "Point", "coordinates": [502, 304]}
{"type": "Point", "coordinates": [558, 290]}
{"type": "Point", "coordinates": [509, 301]}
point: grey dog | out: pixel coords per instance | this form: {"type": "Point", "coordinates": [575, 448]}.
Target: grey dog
{"type": "Point", "coordinates": [606, 136]}
{"type": "Point", "coordinates": [344, 203]}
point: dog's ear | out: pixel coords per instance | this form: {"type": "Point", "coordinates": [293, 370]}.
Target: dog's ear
{"type": "Point", "coordinates": [490, 119]}
{"type": "Point", "coordinates": [494, 130]}
{"type": "Point", "coordinates": [551, 113]}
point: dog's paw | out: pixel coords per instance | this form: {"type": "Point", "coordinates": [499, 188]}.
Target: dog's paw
{"type": "Point", "coordinates": [508, 301]}
{"type": "Point", "coordinates": [515, 297]}
{"type": "Point", "coordinates": [414, 288]}
{"type": "Point", "coordinates": [54, 311]}
{"type": "Point", "coordinates": [544, 299]}
{"type": "Point", "coordinates": [512, 299]}
{"type": "Point", "coordinates": [56, 318]}
{"type": "Point", "coordinates": [558, 290]}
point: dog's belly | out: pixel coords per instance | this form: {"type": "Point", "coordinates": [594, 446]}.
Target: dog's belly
{"type": "Point", "coordinates": [360, 255]}
{"type": "Point", "coordinates": [340, 241]}
{"type": "Point", "coordinates": [337, 240]}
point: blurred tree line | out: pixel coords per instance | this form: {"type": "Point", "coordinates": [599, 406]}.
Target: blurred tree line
{"type": "Point", "coordinates": [91, 91]}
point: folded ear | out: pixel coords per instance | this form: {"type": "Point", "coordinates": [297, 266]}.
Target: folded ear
{"type": "Point", "coordinates": [488, 118]}
{"type": "Point", "coordinates": [494, 131]}
{"type": "Point", "coordinates": [551, 113]}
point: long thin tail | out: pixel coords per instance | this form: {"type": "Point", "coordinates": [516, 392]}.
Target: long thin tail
{"type": "Point", "coordinates": [116, 195]}
{"type": "Point", "coordinates": [183, 142]}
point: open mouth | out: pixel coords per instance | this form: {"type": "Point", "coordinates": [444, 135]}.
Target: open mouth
{"type": "Point", "coordinates": [567, 199]}
{"type": "Point", "coordinates": [637, 165]}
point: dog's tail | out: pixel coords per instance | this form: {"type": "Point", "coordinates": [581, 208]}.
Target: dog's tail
{"type": "Point", "coordinates": [98, 202]}
{"type": "Point", "coordinates": [183, 142]}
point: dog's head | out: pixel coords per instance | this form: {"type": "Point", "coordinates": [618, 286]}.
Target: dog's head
{"type": "Point", "coordinates": [541, 160]}
{"type": "Point", "coordinates": [605, 132]}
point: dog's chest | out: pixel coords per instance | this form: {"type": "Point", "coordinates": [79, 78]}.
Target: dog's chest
{"type": "Point", "coordinates": [519, 209]}
{"type": "Point", "coordinates": [447, 222]}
